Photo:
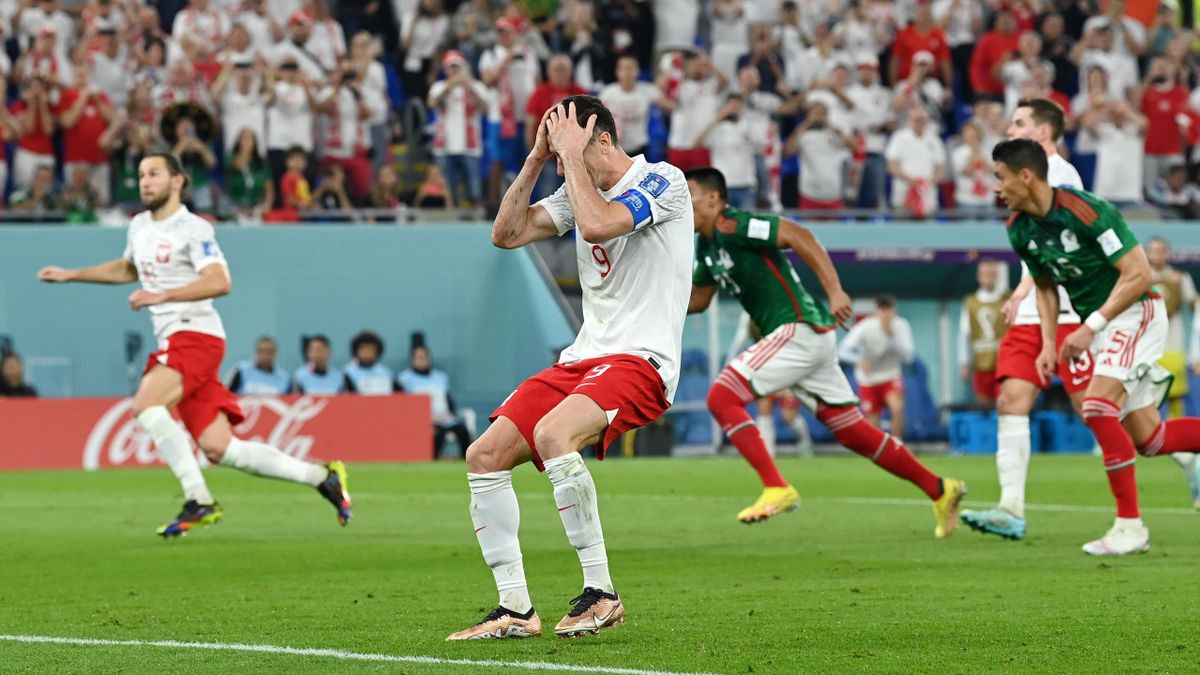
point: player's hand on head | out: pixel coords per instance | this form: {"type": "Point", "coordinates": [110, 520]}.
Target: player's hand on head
{"type": "Point", "coordinates": [52, 274]}
{"type": "Point", "coordinates": [566, 136]}
{"type": "Point", "coordinates": [542, 149]}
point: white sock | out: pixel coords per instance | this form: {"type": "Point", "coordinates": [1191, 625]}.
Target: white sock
{"type": "Point", "coordinates": [173, 447]}
{"type": "Point", "coordinates": [497, 518]}
{"type": "Point", "coordinates": [575, 495]}
{"type": "Point", "coordinates": [766, 427]}
{"type": "Point", "coordinates": [1012, 461]}
{"type": "Point", "coordinates": [803, 435]}
{"type": "Point", "coordinates": [261, 459]}
{"type": "Point", "coordinates": [1186, 460]}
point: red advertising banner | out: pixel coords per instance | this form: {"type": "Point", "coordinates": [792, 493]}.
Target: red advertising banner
{"type": "Point", "coordinates": [99, 433]}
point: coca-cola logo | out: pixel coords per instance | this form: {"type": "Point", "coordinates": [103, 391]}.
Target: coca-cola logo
{"type": "Point", "coordinates": [118, 440]}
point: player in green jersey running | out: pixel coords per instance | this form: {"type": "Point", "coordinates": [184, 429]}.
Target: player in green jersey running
{"type": "Point", "coordinates": [740, 251]}
{"type": "Point", "coordinates": [1081, 242]}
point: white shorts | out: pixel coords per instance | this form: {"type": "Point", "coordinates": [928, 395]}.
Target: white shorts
{"type": "Point", "coordinates": [796, 357]}
{"type": "Point", "coordinates": [1129, 348]}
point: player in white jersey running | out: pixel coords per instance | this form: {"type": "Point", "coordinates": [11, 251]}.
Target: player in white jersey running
{"type": "Point", "coordinates": [174, 254]}
{"type": "Point", "coordinates": [633, 231]}
{"type": "Point", "coordinates": [1039, 120]}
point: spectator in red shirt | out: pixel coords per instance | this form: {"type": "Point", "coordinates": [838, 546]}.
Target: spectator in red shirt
{"type": "Point", "coordinates": [84, 113]}
{"type": "Point", "coordinates": [922, 35]}
{"type": "Point", "coordinates": [34, 127]}
{"type": "Point", "coordinates": [1164, 103]}
{"type": "Point", "coordinates": [559, 84]}
{"type": "Point", "coordinates": [996, 48]}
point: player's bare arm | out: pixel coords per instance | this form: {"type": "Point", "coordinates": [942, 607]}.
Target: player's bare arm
{"type": "Point", "coordinates": [517, 223]}
{"type": "Point", "coordinates": [596, 220]}
{"type": "Point", "coordinates": [1133, 283]}
{"type": "Point", "coordinates": [119, 271]}
{"type": "Point", "coordinates": [701, 298]}
{"type": "Point", "coordinates": [1047, 303]}
{"type": "Point", "coordinates": [801, 240]}
{"type": "Point", "coordinates": [1009, 310]}
{"type": "Point", "coordinates": [214, 282]}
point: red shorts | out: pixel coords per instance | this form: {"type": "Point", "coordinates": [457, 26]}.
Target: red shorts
{"type": "Point", "coordinates": [1018, 358]}
{"type": "Point", "coordinates": [692, 158]}
{"type": "Point", "coordinates": [197, 356]}
{"type": "Point", "coordinates": [626, 387]}
{"type": "Point", "coordinates": [873, 397]}
{"type": "Point", "coordinates": [986, 384]}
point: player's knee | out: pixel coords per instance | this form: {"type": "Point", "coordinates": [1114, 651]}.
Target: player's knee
{"type": "Point", "coordinates": [1013, 402]}
{"type": "Point", "coordinates": [551, 440]}
{"type": "Point", "coordinates": [485, 457]}
{"type": "Point", "coordinates": [213, 449]}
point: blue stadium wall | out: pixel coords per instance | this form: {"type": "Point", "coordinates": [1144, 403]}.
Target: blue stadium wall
{"type": "Point", "coordinates": [487, 314]}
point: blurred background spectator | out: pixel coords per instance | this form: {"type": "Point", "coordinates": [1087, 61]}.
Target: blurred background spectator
{"type": "Point", "coordinates": [422, 378]}
{"type": "Point", "coordinates": [365, 370]}
{"type": "Point", "coordinates": [260, 376]}
{"type": "Point", "coordinates": [12, 376]}
{"type": "Point", "coordinates": [316, 376]}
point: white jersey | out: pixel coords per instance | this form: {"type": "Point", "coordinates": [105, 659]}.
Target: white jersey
{"type": "Point", "coordinates": [1061, 174]}
{"type": "Point", "coordinates": [878, 357]}
{"type": "Point", "coordinates": [631, 112]}
{"type": "Point", "coordinates": [169, 254]}
{"type": "Point", "coordinates": [636, 287]}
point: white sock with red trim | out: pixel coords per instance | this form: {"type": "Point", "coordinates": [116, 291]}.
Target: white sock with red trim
{"type": "Point", "coordinates": [173, 447]}
{"type": "Point", "coordinates": [261, 459]}
{"type": "Point", "coordinates": [1012, 461]}
{"type": "Point", "coordinates": [497, 517]}
{"type": "Point", "coordinates": [575, 495]}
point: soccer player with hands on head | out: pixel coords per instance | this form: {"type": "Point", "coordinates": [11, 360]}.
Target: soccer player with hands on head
{"type": "Point", "coordinates": [633, 242]}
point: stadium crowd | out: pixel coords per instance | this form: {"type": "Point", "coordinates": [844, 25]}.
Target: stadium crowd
{"type": "Point", "coordinates": [279, 107]}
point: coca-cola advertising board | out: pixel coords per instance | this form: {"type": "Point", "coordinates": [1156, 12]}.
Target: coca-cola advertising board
{"type": "Point", "coordinates": [99, 433]}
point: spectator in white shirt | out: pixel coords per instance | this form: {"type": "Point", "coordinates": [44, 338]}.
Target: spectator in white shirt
{"type": "Point", "coordinates": [511, 69]}
{"type": "Point", "coordinates": [630, 101]}
{"type": "Point", "coordinates": [327, 42]}
{"type": "Point", "coordinates": [264, 30]}
{"type": "Point", "coordinates": [343, 129]}
{"type": "Point", "coordinates": [1129, 35]}
{"type": "Point", "coordinates": [675, 24]}
{"type": "Point", "coordinates": [295, 48]}
{"type": "Point", "coordinates": [1097, 50]}
{"type": "Point", "coordinates": [290, 105]}
{"type": "Point", "coordinates": [859, 35]}
{"type": "Point", "coordinates": [880, 346]}
{"type": "Point", "coordinates": [364, 52]}
{"type": "Point", "coordinates": [697, 101]}
{"type": "Point", "coordinates": [182, 85]}
{"type": "Point", "coordinates": [730, 35]}
{"type": "Point", "coordinates": [728, 137]}
{"type": "Point", "coordinates": [872, 120]}
{"type": "Point", "coordinates": [422, 32]}
{"type": "Point", "coordinates": [971, 163]}
{"type": "Point", "coordinates": [962, 22]}
{"type": "Point", "coordinates": [459, 100]}
{"type": "Point", "coordinates": [1120, 133]}
{"type": "Point", "coordinates": [201, 25]}
{"type": "Point", "coordinates": [823, 150]}
{"type": "Point", "coordinates": [921, 89]}
{"type": "Point", "coordinates": [30, 20]}
{"type": "Point", "coordinates": [916, 160]}
{"type": "Point", "coordinates": [760, 110]}
{"type": "Point", "coordinates": [109, 66]}
{"type": "Point", "coordinates": [243, 103]}
{"type": "Point", "coordinates": [1019, 70]}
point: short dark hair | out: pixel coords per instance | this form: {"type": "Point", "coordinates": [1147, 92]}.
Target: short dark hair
{"type": "Point", "coordinates": [710, 179]}
{"type": "Point", "coordinates": [308, 339]}
{"type": "Point", "coordinates": [885, 301]}
{"type": "Point", "coordinates": [366, 338]}
{"type": "Point", "coordinates": [266, 338]}
{"type": "Point", "coordinates": [174, 166]}
{"type": "Point", "coordinates": [296, 150]}
{"type": "Point", "coordinates": [1045, 111]}
{"type": "Point", "coordinates": [585, 107]}
{"type": "Point", "coordinates": [1022, 153]}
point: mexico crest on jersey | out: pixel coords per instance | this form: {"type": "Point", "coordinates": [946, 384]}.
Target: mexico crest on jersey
{"type": "Point", "coordinates": [1069, 242]}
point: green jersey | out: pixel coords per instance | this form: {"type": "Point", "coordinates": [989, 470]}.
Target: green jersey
{"type": "Point", "coordinates": [744, 258]}
{"type": "Point", "coordinates": [1077, 244]}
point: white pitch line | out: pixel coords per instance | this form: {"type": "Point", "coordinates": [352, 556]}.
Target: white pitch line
{"type": "Point", "coordinates": [1066, 508]}
{"type": "Point", "coordinates": [333, 654]}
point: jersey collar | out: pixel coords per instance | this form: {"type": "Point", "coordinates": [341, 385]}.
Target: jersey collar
{"type": "Point", "coordinates": [622, 185]}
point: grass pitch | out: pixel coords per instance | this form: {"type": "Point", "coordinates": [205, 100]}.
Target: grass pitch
{"type": "Point", "coordinates": [853, 582]}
